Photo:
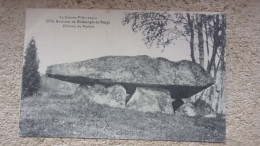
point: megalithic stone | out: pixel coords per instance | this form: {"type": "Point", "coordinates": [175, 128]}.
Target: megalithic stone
{"type": "Point", "coordinates": [183, 79]}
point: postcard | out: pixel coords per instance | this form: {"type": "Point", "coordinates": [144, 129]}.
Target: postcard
{"type": "Point", "coordinates": [121, 74]}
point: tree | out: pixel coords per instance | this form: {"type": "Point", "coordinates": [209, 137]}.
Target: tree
{"type": "Point", "coordinates": [154, 27]}
{"type": "Point", "coordinates": [31, 76]}
{"type": "Point", "coordinates": [199, 21]}
{"type": "Point", "coordinates": [219, 39]}
{"type": "Point", "coordinates": [161, 29]}
{"type": "Point", "coordinates": [190, 31]}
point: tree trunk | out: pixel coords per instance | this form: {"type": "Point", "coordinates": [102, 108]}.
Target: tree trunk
{"type": "Point", "coordinates": [222, 68]}
{"type": "Point", "coordinates": [219, 65]}
{"type": "Point", "coordinates": [207, 39]}
{"type": "Point", "coordinates": [223, 42]}
{"type": "Point", "coordinates": [215, 43]}
{"type": "Point", "coordinates": [200, 39]}
{"type": "Point", "coordinates": [191, 26]}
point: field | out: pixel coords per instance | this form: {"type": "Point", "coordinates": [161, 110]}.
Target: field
{"type": "Point", "coordinates": [51, 114]}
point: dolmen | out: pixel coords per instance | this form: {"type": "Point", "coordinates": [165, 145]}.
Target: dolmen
{"type": "Point", "coordinates": [182, 79]}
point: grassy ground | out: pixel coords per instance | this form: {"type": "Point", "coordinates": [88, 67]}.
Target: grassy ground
{"type": "Point", "coordinates": [54, 115]}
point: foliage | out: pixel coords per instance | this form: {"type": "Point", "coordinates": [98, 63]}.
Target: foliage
{"type": "Point", "coordinates": [161, 29]}
{"type": "Point", "coordinates": [31, 76]}
{"type": "Point", "coordinates": [205, 34]}
{"type": "Point", "coordinates": [155, 27]}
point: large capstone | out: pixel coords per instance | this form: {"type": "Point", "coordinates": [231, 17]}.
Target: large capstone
{"type": "Point", "coordinates": [138, 70]}
{"type": "Point", "coordinates": [182, 79]}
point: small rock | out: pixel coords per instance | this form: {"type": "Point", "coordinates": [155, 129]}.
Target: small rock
{"type": "Point", "coordinates": [202, 108]}
{"type": "Point", "coordinates": [187, 109]}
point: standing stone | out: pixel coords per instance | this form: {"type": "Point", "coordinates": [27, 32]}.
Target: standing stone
{"type": "Point", "coordinates": [151, 100]}
{"type": "Point", "coordinates": [114, 96]}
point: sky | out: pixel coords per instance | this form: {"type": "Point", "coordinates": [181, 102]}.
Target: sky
{"type": "Point", "coordinates": [57, 44]}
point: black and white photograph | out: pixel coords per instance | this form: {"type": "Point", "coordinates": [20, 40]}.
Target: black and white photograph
{"type": "Point", "coordinates": [124, 74]}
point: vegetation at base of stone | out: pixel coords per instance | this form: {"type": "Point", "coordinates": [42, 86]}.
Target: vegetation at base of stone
{"type": "Point", "coordinates": [59, 111]}
{"type": "Point", "coordinates": [205, 34]}
{"type": "Point", "coordinates": [76, 116]}
{"type": "Point", "coordinates": [31, 76]}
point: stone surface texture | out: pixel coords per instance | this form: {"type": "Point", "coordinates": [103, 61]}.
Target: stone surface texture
{"type": "Point", "coordinates": [142, 70]}
{"type": "Point", "coordinates": [243, 59]}
{"type": "Point", "coordinates": [144, 99]}
{"type": "Point", "coordinates": [151, 100]}
{"type": "Point", "coordinates": [114, 96]}
{"type": "Point", "coordinates": [197, 108]}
